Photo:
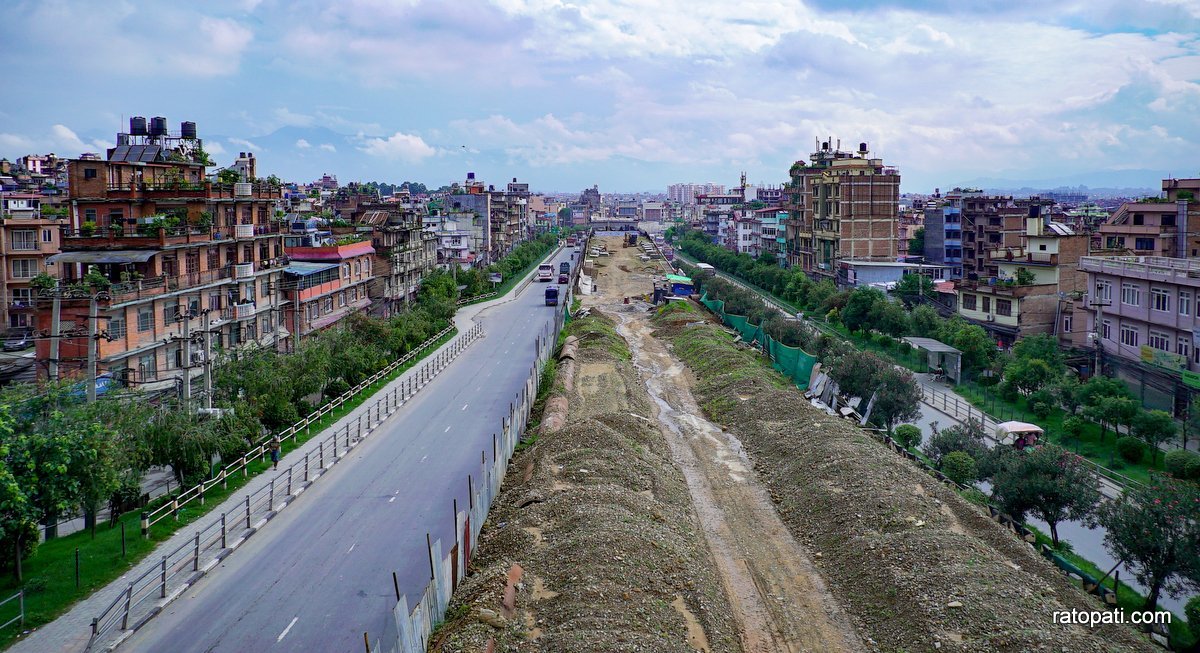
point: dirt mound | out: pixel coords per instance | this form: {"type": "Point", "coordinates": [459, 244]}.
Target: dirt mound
{"type": "Point", "coordinates": [601, 524]}
{"type": "Point", "coordinates": [916, 565]}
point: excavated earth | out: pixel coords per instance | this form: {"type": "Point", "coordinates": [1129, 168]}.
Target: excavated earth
{"type": "Point", "coordinates": [917, 566]}
{"type": "Point", "coordinates": [602, 527]}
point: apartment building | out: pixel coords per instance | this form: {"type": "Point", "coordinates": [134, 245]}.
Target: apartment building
{"type": "Point", "coordinates": [27, 238]}
{"type": "Point", "coordinates": [688, 192]}
{"type": "Point", "coordinates": [1167, 228]}
{"type": "Point", "coordinates": [1035, 289]}
{"type": "Point", "coordinates": [326, 280]}
{"type": "Point", "coordinates": [405, 252]}
{"type": "Point", "coordinates": [771, 232]}
{"type": "Point", "coordinates": [169, 250]}
{"type": "Point", "coordinates": [1143, 320]}
{"type": "Point", "coordinates": [842, 205]}
{"type": "Point", "coordinates": [964, 225]}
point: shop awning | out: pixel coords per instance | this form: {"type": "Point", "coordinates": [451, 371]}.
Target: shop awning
{"type": "Point", "coordinates": [106, 256]}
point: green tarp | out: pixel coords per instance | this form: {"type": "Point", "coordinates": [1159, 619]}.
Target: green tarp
{"type": "Point", "coordinates": [793, 362]}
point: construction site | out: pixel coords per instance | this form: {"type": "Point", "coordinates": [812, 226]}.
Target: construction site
{"type": "Point", "coordinates": [676, 493]}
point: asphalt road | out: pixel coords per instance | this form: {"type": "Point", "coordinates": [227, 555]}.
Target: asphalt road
{"type": "Point", "coordinates": [319, 575]}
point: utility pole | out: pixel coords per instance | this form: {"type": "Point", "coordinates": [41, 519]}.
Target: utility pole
{"type": "Point", "coordinates": [92, 344]}
{"type": "Point", "coordinates": [186, 318]}
{"type": "Point", "coordinates": [207, 362]}
{"type": "Point", "coordinates": [55, 318]}
{"type": "Point", "coordinates": [1099, 305]}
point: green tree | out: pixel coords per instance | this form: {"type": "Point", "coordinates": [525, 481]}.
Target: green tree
{"type": "Point", "coordinates": [925, 320]}
{"type": "Point", "coordinates": [1024, 277]}
{"type": "Point", "coordinates": [913, 287]}
{"type": "Point", "coordinates": [1048, 482]}
{"type": "Point", "coordinates": [18, 515]}
{"type": "Point", "coordinates": [897, 396]}
{"type": "Point", "coordinates": [1066, 393]}
{"type": "Point", "coordinates": [564, 215]}
{"type": "Point", "coordinates": [1153, 530]}
{"type": "Point", "coordinates": [1042, 347]}
{"type": "Point", "coordinates": [892, 319]}
{"type": "Point", "coordinates": [916, 244]}
{"type": "Point", "coordinates": [959, 467]}
{"type": "Point", "coordinates": [1028, 375]}
{"type": "Point", "coordinates": [907, 435]}
{"type": "Point", "coordinates": [967, 437]}
{"type": "Point", "coordinates": [1154, 427]}
{"type": "Point", "coordinates": [860, 309]}
{"type": "Point", "coordinates": [229, 177]}
{"type": "Point", "coordinates": [855, 373]}
{"type": "Point", "coordinates": [1072, 428]}
{"type": "Point", "coordinates": [978, 349]}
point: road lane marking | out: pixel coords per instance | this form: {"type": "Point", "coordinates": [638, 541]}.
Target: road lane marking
{"type": "Point", "coordinates": [351, 548]}
{"type": "Point", "coordinates": [447, 430]}
{"type": "Point", "coordinates": [464, 406]}
{"type": "Point", "coordinates": [391, 499]}
{"type": "Point", "coordinates": [423, 458]}
{"type": "Point", "coordinates": [286, 630]}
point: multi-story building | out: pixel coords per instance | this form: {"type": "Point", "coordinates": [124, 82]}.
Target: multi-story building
{"type": "Point", "coordinates": [27, 238]}
{"type": "Point", "coordinates": [405, 252]}
{"type": "Point", "coordinates": [1168, 227]}
{"type": "Point", "coordinates": [841, 205]}
{"type": "Point", "coordinates": [906, 229]}
{"type": "Point", "coordinates": [327, 279]}
{"type": "Point", "coordinates": [771, 232]}
{"type": "Point", "coordinates": [687, 193]}
{"type": "Point", "coordinates": [170, 251]}
{"type": "Point", "coordinates": [1035, 288]}
{"type": "Point", "coordinates": [653, 211]}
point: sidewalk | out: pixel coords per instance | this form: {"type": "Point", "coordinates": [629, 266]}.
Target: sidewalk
{"type": "Point", "coordinates": [71, 631]}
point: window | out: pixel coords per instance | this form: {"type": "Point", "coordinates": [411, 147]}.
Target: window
{"type": "Point", "coordinates": [214, 258]}
{"type": "Point", "coordinates": [47, 236]}
{"type": "Point", "coordinates": [1183, 347]}
{"type": "Point", "coordinates": [89, 215]}
{"type": "Point", "coordinates": [341, 299]}
{"type": "Point", "coordinates": [116, 327]}
{"type": "Point", "coordinates": [1003, 307]}
{"type": "Point", "coordinates": [987, 304]}
{"type": "Point", "coordinates": [346, 271]}
{"type": "Point", "coordinates": [328, 308]}
{"type": "Point", "coordinates": [1143, 243]}
{"type": "Point", "coordinates": [170, 314]}
{"type": "Point", "coordinates": [146, 367]}
{"type": "Point", "coordinates": [1129, 335]}
{"type": "Point", "coordinates": [1066, 325]}
{"type": "Point", "coordinates": [89, 173]}
{"type": "Point", "coordinates": [174, 358]}
{"type": "Point", "coordinates": [265, 287]}
{"type": "Point", "coordinates": [1185, 302]}
{"type": "Point", "coordinates": [145, 319]}
{"type": "Point", "coordinates": [1106, 330]}
{"type": "Point", "coordinates": [1131, 294]}
{"type": "Point", "coordinates": [24, 268]}
{"type": "Point", "coordinates": [25, 239]}
{"type": "Point", "coordinates": [22, 297]}
{"type": "Point", "coordinates": [1160, 299]}
{"type": "Point", "coordinates": [1160, 341]}
{"type": "Point", "coordinates": [1103, 291]}
{"type": "Point", "coordinates": [214, 301]}
{"type": "Point", "coordinates": [1139, 219]}
{"type": "Point", "coordinates": [1167, 220]}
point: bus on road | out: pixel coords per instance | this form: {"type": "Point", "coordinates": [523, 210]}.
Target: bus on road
{"type": "Point", "coordinates": [545, 272]}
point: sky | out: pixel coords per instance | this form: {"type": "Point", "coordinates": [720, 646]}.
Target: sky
{"type": "Point", "coordinates": [623, 94]}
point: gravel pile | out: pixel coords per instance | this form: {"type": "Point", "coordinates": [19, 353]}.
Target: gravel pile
{"type": "Point", "coordinates": [917, 566]}
{"type": "Point", "coordinates": [602, 525]}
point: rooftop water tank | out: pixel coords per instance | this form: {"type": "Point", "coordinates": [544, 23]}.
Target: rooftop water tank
{"type": "Point", "coordinates": [187, 129]}
{"type": "Point", "coordinates": [158, 126]}
{"type": "Point", "coordinates": [137, 126]}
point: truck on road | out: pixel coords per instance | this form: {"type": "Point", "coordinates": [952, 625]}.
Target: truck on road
{"type": "Point", "coordinates": [546, 272]}
{"type": "Point", "coordinates": [552, 296]}
{"type": "Point", "coordinates": [564, 267]}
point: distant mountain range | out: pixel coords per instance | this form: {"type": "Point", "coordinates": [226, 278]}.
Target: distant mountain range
{"type": "Point", "coordinates": [1097, 183]}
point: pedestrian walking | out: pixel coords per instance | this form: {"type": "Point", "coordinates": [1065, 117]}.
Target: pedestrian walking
{"type": "Point", "coordinates": [275, 452]}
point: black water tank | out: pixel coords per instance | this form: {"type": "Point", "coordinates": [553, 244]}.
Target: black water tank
{"type": "Point", "coordinates": [158, 126]}
{"type": "Point", "coordinates": [187, 129]}
{"type": "Point", "coordinates": [825, 146]}
{"type": "Point", "coordinates": [862, 147]}
{"type": "Point", "coordinates": [137, 126]}
{"type": "Point", "coordinates": [470, 175]}
{"type": "Point", "coordinates": [1035, 210]}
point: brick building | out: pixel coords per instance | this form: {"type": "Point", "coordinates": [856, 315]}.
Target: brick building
{"type": "Point", "coordinates": [27, 238]}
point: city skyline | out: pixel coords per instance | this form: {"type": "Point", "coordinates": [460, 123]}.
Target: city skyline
{"type": "Point", "coordinates": [631, 98]}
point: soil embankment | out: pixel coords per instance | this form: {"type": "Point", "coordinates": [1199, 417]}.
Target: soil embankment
{"type": "Point", "coordinates": [917, 566]}
{"type": "Point", "coordinates": [610, 553]}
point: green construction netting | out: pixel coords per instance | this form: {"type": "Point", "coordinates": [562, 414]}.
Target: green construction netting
{"type": "Point", "coordinates": [793, 362]}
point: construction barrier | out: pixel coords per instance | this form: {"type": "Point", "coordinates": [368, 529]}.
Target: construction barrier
{"type": "Point", "coordinates": [792, 362]}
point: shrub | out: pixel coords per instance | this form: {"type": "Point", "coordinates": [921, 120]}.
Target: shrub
{"type": "Point", "coordinates": [1177, 462]}
{"type": "Point", "coordinates": [959, 467]}
{"type": "Point", "coordinates": [988, 381]}
{"type": "Point", "coordinates": [907, 435]}
{"type": "Point", "coordinates": [1131, 449]}
{"type": "Point", "coordinates": [1192, 611]}
{"type": "Point", "coordinates": [1192, 469]}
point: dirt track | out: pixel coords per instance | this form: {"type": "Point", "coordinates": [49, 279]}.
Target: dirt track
{"type": "Point", "coordinates": [779, 600]}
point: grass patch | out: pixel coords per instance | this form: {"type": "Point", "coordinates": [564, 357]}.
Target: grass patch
{"type": "Point", "coordinates": [50, 571]}
{"type": "Point", "coordinates": [1128, 598]}
{"type": "Point", "coordinates": [1089, 445]}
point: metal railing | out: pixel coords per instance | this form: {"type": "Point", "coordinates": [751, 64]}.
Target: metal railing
{"type": "Point", "coordinates": [20, 599]}
{"type": "Point", "coordinates": [225, 533]}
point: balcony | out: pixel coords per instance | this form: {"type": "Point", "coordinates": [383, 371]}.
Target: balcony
{"type": "Point", "coordinates": [127, 291]}
{"type": "Point", "coordinates": [1021, 255]}
{"type": "Point", "coordinates": [1151, 268]}
{"type": "Point", "coordinates": [117, 238]}
{"type": "Point", "coordinates": [243, 271]}
{"type": "Point", "coordinates": [34, 246]}
{"type": "Point", "coordinates": [243, 311]}
{"type": "Point", "coordinates": [243, 231]}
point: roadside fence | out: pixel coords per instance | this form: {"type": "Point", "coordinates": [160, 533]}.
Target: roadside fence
{"type": "Point", "coordinates": [412, 626]}
{"type": "Point", "coordinates": [19, 597]}
{"type": "Point", "coordinates": [162, 580]}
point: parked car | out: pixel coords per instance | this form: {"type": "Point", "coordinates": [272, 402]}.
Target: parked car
{"type": "Point", "coordinates": [18, 338]}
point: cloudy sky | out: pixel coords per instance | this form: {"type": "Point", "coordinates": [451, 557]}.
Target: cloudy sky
{"type": "Point", "coordinates": [627, 94]}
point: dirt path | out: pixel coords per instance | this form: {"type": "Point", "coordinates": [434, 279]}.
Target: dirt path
{"type": "Point", "coordinates": [777, 596]}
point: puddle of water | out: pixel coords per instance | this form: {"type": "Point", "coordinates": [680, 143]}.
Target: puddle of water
{"type": "Point", "coordinates": [696, 638]}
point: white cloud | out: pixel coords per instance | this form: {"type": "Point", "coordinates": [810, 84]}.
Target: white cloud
{"type": "Point", "coordinates": [214, 148]}
{"type": "Point", "coordinates": [59, 139]}
{"type": "Point", "coordinates": [241, 142]}
{"type": "Point", "coordinates": [302, 144]}
{"type": "Point", "coordinates": [405, 147]}
{"type": "Point", "coordinates": [328, 147]}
